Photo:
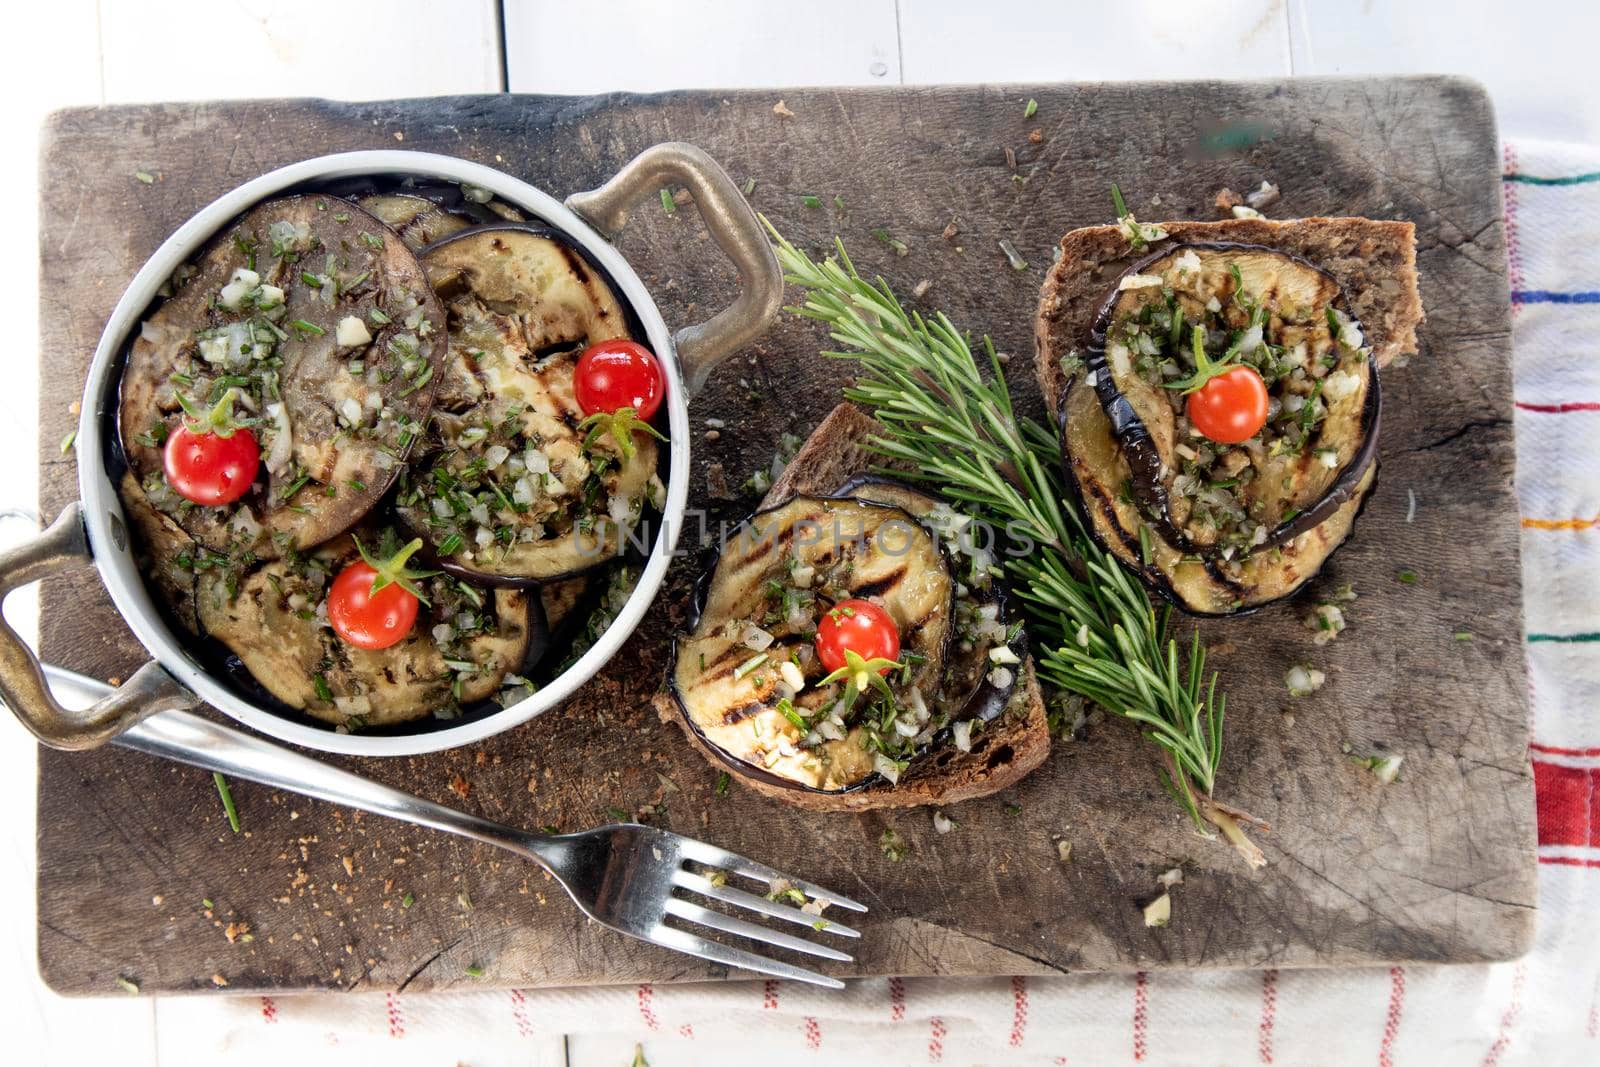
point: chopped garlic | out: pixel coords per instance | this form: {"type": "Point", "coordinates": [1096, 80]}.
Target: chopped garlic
{"type": "Point", "coordinates": [1240, 211]}
{"type": "Point", "coordinates": [1159, 911]}
{"type": "Point", "coordinates": [1302, 680]}
{"type": "Point", "coordinates": [1139, 281]}
{"type": "Point", "coordinates": [1171, 878]}
{"type": "Point", "coordinates": [1385, 768]}
{"type": "Point", "coordinates": [1340, 384]}
{"type": "Point", "coordinates": [1001, 655]}
{"type": "Point", "coordinates": [791, 675]}
{"type": "Point", "coordinates": [352, 333]}
{"type": "Point", "coordinates": [1328, 622]}
{"type": "Point", "coordinates": [942, 823]}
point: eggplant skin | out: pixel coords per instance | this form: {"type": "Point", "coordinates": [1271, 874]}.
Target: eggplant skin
{"type": "Point", "coordinates": [508, 490]}
{"type": "Point", "coordinates": [1123, 438]}
{"type": "Point", "coordinates": [362, 688]}
{"type": "Point", "coordinates": [424, 215]}
{"type": "Point", "coordinates": [163, 553]}
{"type": "Point", "coordinates": [1097, 469]}
{"type": "Point", "coordinates": [335, 421]}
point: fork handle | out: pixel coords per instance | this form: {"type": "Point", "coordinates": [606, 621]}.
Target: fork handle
{"type": "Point", "coordinates": [188, 738]}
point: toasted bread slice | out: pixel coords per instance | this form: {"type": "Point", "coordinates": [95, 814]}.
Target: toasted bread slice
{"type": "Point", "coordinates": [1374, 262]}
{"type": "Point", "coordinates": [1002, 753]}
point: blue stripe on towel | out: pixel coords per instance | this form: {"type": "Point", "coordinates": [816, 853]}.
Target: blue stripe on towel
{"type": "Point", "coordinates": [1545, 296]}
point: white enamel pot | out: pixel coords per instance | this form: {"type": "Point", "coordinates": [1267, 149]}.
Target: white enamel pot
{"type": "Point", "coordinates": [93, 530]}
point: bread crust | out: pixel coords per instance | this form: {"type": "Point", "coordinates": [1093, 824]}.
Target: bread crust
{"type": "Point", "coordinates": [1374, 262]}
{"type": "Point", "coordinates": [1003, 753]}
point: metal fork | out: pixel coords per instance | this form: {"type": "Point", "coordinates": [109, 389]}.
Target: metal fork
{"type": "Point", "coordinates": [634, 879]}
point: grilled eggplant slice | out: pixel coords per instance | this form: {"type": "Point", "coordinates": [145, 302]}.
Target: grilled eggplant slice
{"type": "Point", "coordinates": [464, 645]}
{"type": "Point", "coordinates": [972, 689]}
{"type": "Point", "coordinates": [1223, 528]}
{"type": "Point", "coordinates": [426, 214]}
{"type": "Point", "coordinates": [1098, 472]}
{"type": "Point", "coordinates": [326, 325]}
{"type": "Point", "coordinates": [168, 558]}
{"type": "Point", "coordinates": [510, 490]}
{"type": "Point", "coordinates": [757, 611]}
{"type": "Point", "coordinates": [769, 586]}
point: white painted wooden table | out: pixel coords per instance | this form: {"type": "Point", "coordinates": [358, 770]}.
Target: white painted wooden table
{"type": "Point", "coordinates": [1535, 57]}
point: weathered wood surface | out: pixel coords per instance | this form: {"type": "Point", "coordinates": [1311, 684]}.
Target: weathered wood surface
{"type": "Point", "coordinates": [1437, 866]}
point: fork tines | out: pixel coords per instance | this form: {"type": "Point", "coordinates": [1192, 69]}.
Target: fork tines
{"type": "Point", "coordinates": [689, 911]}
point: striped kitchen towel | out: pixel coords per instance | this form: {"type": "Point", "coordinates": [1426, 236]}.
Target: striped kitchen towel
{"type": "Point", "coordinates": [1541, 1010]}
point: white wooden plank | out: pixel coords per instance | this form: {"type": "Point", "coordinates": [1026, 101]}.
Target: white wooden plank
{"type": "Point", "coordinates": [555, 46]}
{"type": "Point", "coordinates": [1537, 59]}
{"type": "Point", "coordinates": [367, 50]}
{"type": "Point", "coordinates": [41, 1027]}
{"type": "Point", "coordinates": [960, 42]}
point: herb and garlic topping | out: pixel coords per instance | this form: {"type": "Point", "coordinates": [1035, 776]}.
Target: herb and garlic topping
{"type": "Point", "coordinates": [517, 483]}
{"type": "Point", "coordinates": [465, 645]}
{"type": "Point", "coordinates": [317, 330]}
{"type": "Point", "coordinates": [1180, 322]}
{"type": "Point", "coordinates": [766, 680]}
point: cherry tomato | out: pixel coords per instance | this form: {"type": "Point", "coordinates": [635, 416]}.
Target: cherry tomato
{"type": "Point", "coordinates": [859, 626]}
{"type": "Point", "coordinates": [619, 374]}
{"type": "Point", "coordinates": [210, 469]}
{"type": "Point", "coordinates": [1231, 407]}
{"type": "Point", "coordinates": [367, 619]}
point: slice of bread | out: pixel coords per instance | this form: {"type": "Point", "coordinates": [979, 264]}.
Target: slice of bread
{"type": "Point", "coordinates": [1375, 263]}
{"type": "Point", "coordinates": [1003, 753]}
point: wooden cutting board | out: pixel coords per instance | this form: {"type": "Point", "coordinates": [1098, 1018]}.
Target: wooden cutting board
{"type": "Point", "coordinates": [1437, 866]}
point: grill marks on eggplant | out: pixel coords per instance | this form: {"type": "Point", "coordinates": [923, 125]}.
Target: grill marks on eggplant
{"type": "Point", "coordinates": [1276, 313]}
{"type": "Point", "coordinates": [309, 263]}
{"type": "Point", "coordinates": [775, 578]}
{"type": "Point", "coordinates": [262, 313]}
{"type": "Point", "coordinates": [460, 651]}
{"type": "Point", "coordinates": [1108, 460]}
{"type": "Point", "coordinates": [718, 678]}
{"type": "Point", "coordinates": [509, 490]}
{"type": "Point", "coordinates": [422, 219]}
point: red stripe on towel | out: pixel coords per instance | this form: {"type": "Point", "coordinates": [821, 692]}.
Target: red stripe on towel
{"type": "Point", "coordinates": [1560, 409]}
{"type": "Point", "coordinates": [646, 1012]}
{"type": "Point", "coordinates": [1391, 1020]}
{"type": "Point", "coordinates": [1566, 801]}
{"type": "Point", "coordinates": [519, 1013]}
{"type": "Point", "coordinates": [1508, 193]}
{"type": "Point", "coordinates": [1141, 1014]}
{"type": "Point", "coordinates": [397, 1016]}
{"type": "Point", "coordinates": [1019, 1010]}
{"type": "Point", "coordinates": [1509, 1019]}
{"type": "Point", "coordinates": [897, 999]}
{"type": "Point", "coordinates": [1269, 1012]}
{"type": "Point", "coordinates": [936, 1032]}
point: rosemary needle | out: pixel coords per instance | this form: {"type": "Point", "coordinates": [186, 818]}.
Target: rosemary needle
{"type": "Point", "coordinates": [227, 800]}
{"type": "Point", "coordinates": [1095, 630]}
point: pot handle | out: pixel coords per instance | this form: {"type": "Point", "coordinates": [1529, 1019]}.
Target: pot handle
{"type": "Point", "coordinates": [22, 684]}
{"type": "Point", "coordinates": [732, 224]}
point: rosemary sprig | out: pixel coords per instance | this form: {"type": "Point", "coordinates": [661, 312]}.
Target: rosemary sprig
{"type": "Point", "coordinates": [1094, 628]}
